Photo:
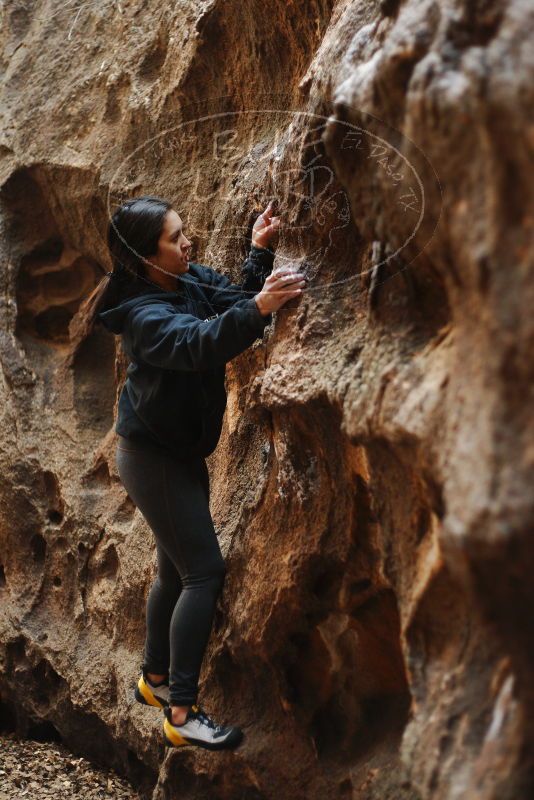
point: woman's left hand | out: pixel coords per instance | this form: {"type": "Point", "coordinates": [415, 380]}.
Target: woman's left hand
{"type": "Point", "coordinates": [265, 228]}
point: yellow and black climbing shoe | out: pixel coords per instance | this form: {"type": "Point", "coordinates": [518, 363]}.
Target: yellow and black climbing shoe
{"type": "Point", "coordinates": [200, 730]}
{"type": "Point", "coordinates": [150, 694]}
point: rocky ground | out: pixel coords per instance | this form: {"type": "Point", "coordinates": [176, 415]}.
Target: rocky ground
{"type": "Point", "coordinates": [48, 769]}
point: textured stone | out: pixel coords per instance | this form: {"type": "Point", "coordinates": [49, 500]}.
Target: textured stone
{"type": "Point", "coordinates": [373, 485]}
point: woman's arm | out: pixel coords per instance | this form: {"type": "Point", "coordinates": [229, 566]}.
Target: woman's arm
{"type": "Point", "coordinates": [222, 293]}
{"type": "Point", "coordinates": [255, 269]}
{"type": "Point", "coordinates": [156, 334]}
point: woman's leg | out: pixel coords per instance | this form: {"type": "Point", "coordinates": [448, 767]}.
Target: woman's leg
{"type": "Point", "coordinates": [161, 601]}
{"type": "Point", "coordinates": [173, 496]}
{"type": "Point", "coordinates": [195, 546]}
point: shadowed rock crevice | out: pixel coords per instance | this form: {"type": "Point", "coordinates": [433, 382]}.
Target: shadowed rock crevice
{"type": "Point", "coordinates": [277, 63]}
{"type": "Point", "coordinates": [154, 58]}
{"type": "Point", "coordinates": [94, 385]}
{"type": "Point", "coordinates": [49, 291]}
{"type": "Point", "coordinates": [38, 548]}
{"type": "Point", "coordinates": [345, 670]}
{"type": "Point", "coordinates": [52, 276]}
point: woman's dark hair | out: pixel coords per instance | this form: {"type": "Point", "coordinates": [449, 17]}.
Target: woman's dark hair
{"type": "Point", "coordinates": [133, 234]}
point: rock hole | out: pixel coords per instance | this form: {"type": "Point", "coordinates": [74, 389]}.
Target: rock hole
{"type": "Point", "coordinates": [475, 29]}
{"type": "Point", "coordinates": [423, 523]}
{"type": "Point", "coordinates": [99, 474]}
{"type": "Point", "coordinates": [325, 583]}
{"type": "Point", "coordinates": [46, 676]}
{"type": "Point", "coordinates": [112, 693]}
{"type": "Point", "coordinates": [104, 563]}
{"type": "Point", "coordinates": [8, 719]}
{"type": "Point", "coordinates": [19, 21]}
{"type": "Point", "coordinates": [435, 495]}
{"type": "Point", "coordinates": [51, 324]}
{"type": "Point", "coordinates": [38, 548]}
{"type": "Point", "coordinates": [154, 60]}
{"type": "Point", "coordinates": [54, 499]}
{"type": "Point", "coordinates": [139, 775]}
{"type": "Point", "coordinates": [360, 586]}
{"type": "Point", "coordinates": [126, 510]}
{"type": "Point", "coordinates": [43, 731]}
{"type": "Point", "coordinates": [16, 653]}
{"type": "Point", "coordinates": [52, 281]}
{"type": "Point", "coordinates": [389, 7]}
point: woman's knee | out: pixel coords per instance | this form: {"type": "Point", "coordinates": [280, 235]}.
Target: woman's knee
{"type": "Point", "coordinates": [217, 573]}
{"type": "Point", "coordinates": [212, 576]}
{"type": "Point", "coordinates": [168, 585]}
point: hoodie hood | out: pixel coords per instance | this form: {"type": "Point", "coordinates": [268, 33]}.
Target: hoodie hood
{"type": "Point", "coordinates": [123, 296]}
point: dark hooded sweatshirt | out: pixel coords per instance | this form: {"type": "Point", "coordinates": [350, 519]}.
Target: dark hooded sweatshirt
{"type": "Point", "coordinates": [178, 343]}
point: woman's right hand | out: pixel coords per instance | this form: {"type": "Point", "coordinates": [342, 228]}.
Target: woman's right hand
{"type": "Point", "coordinates": [280, 286]}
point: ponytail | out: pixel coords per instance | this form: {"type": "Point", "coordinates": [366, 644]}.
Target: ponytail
{"type": "Point", "coordinates": [133, 234]}
{"type": "Point", "coordinates": [84, 320]}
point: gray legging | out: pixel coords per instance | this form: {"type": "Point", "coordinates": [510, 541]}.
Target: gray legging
{"type": "Point", "coordinates": [173, 497]}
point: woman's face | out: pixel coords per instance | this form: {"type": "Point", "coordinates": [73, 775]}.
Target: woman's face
{"type": "Point", "coordinates": [173, 245]}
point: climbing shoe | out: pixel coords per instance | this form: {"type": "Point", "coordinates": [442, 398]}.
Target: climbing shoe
{"type": "Point", "coordinates": [200, 730]}
{"type": "Point", "coordinates": [150, 694]}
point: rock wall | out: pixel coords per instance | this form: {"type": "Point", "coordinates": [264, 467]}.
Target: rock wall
{"type": "Point", "coordinates": [372, 489]}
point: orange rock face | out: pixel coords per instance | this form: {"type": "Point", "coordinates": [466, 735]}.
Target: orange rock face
{"type": "Point", "coordinates": [372, 488]}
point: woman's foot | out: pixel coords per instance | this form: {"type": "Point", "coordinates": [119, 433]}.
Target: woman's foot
{"type": "Point", "coordinates": [179, 714]}
{"type": "Point", "coordinates": [199, 729]}
{"type": "Point", "coordinates": [150, 694]}
{"type": "Point", "coordinates": [156, 680]}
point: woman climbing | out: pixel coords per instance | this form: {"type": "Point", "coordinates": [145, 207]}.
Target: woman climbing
{"type": "Point", "coordinates": [180, 322]}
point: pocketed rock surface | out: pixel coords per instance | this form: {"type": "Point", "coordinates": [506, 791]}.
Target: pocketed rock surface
{"type": "Point", "coordinates": [372, 489]}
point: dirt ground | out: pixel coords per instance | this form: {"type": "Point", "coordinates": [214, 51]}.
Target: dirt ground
{"type": "Point", "coordinates": [48, 769]}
